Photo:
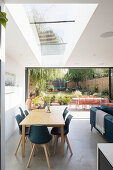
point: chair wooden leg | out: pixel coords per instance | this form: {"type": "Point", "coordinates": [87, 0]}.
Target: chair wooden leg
{"type": "Point", "coordinates": [25, 138]}
{"type": "Point", "coordinates": [31, 145]}
{"type": "Point", "coordinates": [52, 139]}
{"type": "Point", "coordinates": [46, 154]}
{"type": "Point", "coordinates": [64, 139]}
{"type": "Point", "coordinates": [56, 142]}
{"type": "Point", "coordinates": [18, 145]}
{"type": "Point", "coordinates": [68, 145]}
{"type": "Point", "coordinates": [33, 148]}
{"type": "Point", "coordinates": [48, 149]}
{"type": "Point", "coordinates": [91, 127]}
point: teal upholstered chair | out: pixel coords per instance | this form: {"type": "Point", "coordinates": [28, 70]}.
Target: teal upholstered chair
{"type": "Point", "coordinates": [57, 133]}
{"type": "Point", "coordinates": [19, 119]}
{"type": "Point", "coordinates": [22, 113]}
{"type": "Point", "coordinates": [65, 112]}
{"type": "Point", "coordinates": [26, 112]}
{"type": "Point", "coordinates": [39, 136]}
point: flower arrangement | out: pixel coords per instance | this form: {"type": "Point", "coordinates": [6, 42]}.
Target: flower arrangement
{"type": "Point", "coordinates": [47, 100]}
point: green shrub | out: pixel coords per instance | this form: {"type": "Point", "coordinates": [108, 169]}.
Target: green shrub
{"type": "Point", "coordinates": [60, 100]}
{"type": "Point", "coordinates": [51, 88]}
{"type": "Point", "coordinates": [37, 91]}
{"type": "Point", "coordinates": [69, 89]}
{"type": "Point", "coordinates": [95, 89]}
{"type": "Point", "coordinates": [52, 99]}
{"type": "Point", "coordinates": [64, 100]}
{"type": "Point", "coordinates": [105, 92]}
{"type": "Point", "coordinates": [49, 99]}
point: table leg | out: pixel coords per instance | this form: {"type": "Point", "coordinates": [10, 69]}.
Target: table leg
{"type": "Point", "coordinates": [23, 140]}
{"type": "Point", "coordinates": [62, 141]}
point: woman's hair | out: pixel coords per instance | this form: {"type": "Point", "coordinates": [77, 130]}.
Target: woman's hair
{"type": "Point", "coordinates": [32, 94]}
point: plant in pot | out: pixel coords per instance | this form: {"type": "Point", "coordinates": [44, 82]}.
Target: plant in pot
{"type": "Point", "coordinates": [60, 100]}
{"type": "Point", "coordinates": [3, 19]}
{"type": "Point", "coordinates": [66, 100]}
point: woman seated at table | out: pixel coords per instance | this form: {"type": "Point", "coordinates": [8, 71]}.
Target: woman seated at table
{"type": "Point", "coordinates": [29, 103]}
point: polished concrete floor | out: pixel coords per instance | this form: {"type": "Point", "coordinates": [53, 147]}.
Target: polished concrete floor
{"type": "Point", "coordinates": [83, 143]}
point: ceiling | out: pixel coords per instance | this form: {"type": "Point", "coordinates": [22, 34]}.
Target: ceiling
{"type": "Point", "coordinates": [91, 50]}
{"type": "Point", "coordinates": [48, 1]}
{"type": "Point", "coordinates": [16, 45]}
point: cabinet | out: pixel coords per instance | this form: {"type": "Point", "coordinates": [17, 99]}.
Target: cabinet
{"type": "Point", "coordinates": [105, 156]}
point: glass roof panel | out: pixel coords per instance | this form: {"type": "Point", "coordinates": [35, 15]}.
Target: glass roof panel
{"type": "Point", "coordinates": [50, 22]}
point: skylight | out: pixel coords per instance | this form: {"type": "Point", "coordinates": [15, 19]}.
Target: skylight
{"type": "Point", "coordinates": [52, 30]}
{"type": "Point", "coordinates": [50, 22]}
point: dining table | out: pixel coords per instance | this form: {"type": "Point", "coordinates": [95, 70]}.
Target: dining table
{"type": "Point", "coordinates": [41, 117]}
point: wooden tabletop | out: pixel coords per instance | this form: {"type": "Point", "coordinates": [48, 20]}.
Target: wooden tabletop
{"type": "Point", "coordinates": [41, 117]}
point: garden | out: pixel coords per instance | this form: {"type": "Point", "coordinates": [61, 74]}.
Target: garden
{"type": "Point", "coordinates": [60, 86]}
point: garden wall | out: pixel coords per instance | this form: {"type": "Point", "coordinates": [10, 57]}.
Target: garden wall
{"type": "Point", "coordinates": [101, 83]}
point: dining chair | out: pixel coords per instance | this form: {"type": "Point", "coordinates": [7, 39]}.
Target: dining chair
{"type": "Point", "coordinates": [26, 112]}
{"type": "Point", "coordinates": [22, 113]}
{"type": "Point", "coordinates": [19, 119]}
{"type": "Point", "coordinates": [39, 136]}
{"type": "Point", "coordinates": [65, 112]}
{"type": "Point", "coordinates": [57, 133]}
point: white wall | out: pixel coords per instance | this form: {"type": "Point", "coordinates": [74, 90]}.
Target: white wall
{"type": "Point", "coordinates": [14, 97]}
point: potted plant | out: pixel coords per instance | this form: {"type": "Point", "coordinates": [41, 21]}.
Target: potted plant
{"type": "Point", "coordinates": [3, 19]}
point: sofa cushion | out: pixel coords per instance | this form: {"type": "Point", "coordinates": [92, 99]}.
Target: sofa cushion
{"type": "Point", "coordinates": [107, 109]}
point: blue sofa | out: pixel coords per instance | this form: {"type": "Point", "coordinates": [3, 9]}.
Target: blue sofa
{"type": "Point", "coordinates": [108, 135]}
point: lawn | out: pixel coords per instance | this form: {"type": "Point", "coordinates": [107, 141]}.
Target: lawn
{"type": "Point", "coordinates": [61, 93]}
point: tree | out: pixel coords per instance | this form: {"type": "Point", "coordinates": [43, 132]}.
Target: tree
{"type": "Point", "coordinates": [41, 76]}
{"type": "Point", "coordinates": [77, 75]}
{"type": "Point", "coordinates": [103, 72]}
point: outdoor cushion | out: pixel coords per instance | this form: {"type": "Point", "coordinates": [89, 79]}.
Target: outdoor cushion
{"type": "Point", "coordinates": [107, 109]}
{"type": "Point", "coordinates": [109, 104]}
